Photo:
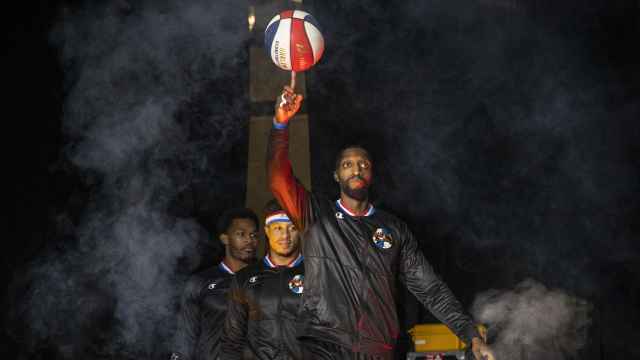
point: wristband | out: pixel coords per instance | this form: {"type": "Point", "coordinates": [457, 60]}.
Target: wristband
{"type": "Point", "coordinates": [279, 126]}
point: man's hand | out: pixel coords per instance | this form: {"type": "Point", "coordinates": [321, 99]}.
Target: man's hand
{"type": "Point", "coordinates": [481, 351]}
{"type": "Point", "coordinates": [287, 105]}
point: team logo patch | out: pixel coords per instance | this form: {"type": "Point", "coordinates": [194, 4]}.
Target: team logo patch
{"type": "Point", "coordinates": [253, 279]}
{"type": "Point", "coordinates": [339, 215]}
{"type": "Point", "coordinates": [212, 286]}
{"type": "Point", "coordinates": [296, 284]}
{"type": "Point", "coordinates": [382, 238]}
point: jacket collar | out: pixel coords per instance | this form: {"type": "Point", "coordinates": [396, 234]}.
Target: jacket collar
{"type": "Point", "coordinates": [224, 268]}
{"type": "Point", "coordinates": [295, 262]}
{"type": "Point", "coordinates": [370, 210]}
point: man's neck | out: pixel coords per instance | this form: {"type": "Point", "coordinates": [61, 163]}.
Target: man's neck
{"type": "Point", "coordinates": [234, 264]}
{"type": "Point", "coordinates": [353, 205]}
{"type": "Point", "coordinates": [280, 260]}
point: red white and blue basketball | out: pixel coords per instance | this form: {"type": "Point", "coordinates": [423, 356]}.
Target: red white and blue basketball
{"type": "Point", "coordinates": [293, 40]}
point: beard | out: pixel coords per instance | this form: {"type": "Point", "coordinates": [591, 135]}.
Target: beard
{"type": "Point", "coordinates": [360, 194]}
{"type": "Point", "coordinates": [244, 254]}
{"type": "Point", "coordinates": [285, 253]}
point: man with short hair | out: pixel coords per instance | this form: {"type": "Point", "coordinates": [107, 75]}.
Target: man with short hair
{"type": "Point", "coordinates": [204, 302]}
{"type": "Point", "coordinates": [265, 296]}
{"type": "Point", "coordinates": [354, 256]}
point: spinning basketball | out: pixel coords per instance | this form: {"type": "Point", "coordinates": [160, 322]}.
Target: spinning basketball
{"type": "Point", "coordinates": [293, 40]}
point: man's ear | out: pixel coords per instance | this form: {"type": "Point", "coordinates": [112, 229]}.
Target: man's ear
{"type": "Point", "coordinates": [335, 177]}
{"type": "Point", "coordinates": [224, 238]}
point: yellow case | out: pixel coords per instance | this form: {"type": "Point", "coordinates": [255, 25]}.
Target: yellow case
{"type": "Point", "coordinates": [437, 337]}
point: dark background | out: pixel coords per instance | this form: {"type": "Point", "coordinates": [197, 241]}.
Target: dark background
{"type": "Point", "coordinates": [504, 132]}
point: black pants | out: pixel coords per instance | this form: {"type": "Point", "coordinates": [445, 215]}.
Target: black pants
{"type": "Point", "coordinates": [322, 350]}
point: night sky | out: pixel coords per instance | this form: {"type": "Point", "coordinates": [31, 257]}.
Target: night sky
{"type": "Point", "coordinates": [504, 132]}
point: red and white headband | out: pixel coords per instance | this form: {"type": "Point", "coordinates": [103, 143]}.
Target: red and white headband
{"type": "Point", "coordinates": [277, 216]}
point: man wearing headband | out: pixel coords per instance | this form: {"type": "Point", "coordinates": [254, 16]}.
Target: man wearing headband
{"type": "Point", "coordinates": [204, 302]}
{"type": "Point", "coordinates": [265, 296]}
{"type": "Point", "coordinates": [354, 256]}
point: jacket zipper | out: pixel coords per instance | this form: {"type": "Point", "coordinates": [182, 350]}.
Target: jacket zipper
{"type": "Point", "coordinates": [279, 313]}
{"type": "Point", "coordinates": [363, 295]}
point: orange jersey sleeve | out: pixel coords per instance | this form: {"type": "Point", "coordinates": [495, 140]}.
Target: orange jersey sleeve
{"type": "Point", "coordinates": [288, 191]}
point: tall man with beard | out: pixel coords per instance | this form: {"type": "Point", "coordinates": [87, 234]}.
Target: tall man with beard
{"type": "Point", "coordinates": [204, 302]}
{"type": "Point", "coordinates": [354, 256]}
{"type": "Point", "coordinates": [265, 297]}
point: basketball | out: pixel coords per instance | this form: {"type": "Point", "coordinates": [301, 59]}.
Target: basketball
{"type": "Point", "coordinates": [293, 40]}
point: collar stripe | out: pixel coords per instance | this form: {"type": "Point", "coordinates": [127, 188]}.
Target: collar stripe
{"type": "Point", "coordinates": [225, 268]}
{"type": "Point", "coordinates": [295, 262]}
{"type": "Point", "coordinates": [268, 262]}
{"type": "Point", "coordinates": [369, 211]}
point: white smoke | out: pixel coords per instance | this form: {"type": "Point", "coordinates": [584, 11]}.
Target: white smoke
{"type": "Point", "coordinates": [533, 322]}
{"type": "Point", "coordinates": [110, 290]}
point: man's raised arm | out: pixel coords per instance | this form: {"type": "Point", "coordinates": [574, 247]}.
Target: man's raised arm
{"type": "Point", "coordinates": [289, 192]}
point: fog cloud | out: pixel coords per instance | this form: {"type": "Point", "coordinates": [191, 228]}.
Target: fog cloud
{"type": "Point", "coordinates": [533, 322]}
{"type": "Point", "coordinates": [110, 288]}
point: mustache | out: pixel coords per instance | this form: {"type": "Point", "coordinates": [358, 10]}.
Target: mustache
{"type": "Point", "coordinates": [359, 178]}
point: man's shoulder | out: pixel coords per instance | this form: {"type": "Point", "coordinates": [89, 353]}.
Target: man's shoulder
{"type": "Point", "coordinates": [206, 276]}
{"type": "Point", "coordinates": [392, 222]}
{"type": "Point", "coordinates": [210, 273]}
{"type": "Point", "coordinates": [390, 219]}
{"type": "Point", "coordinates": [319, 199]}
{"type": "Point", "coordinates": [323, 204]}
{"type": "Point", "coordinates": [249, 271]}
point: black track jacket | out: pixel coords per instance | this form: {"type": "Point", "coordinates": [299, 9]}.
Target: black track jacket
{"type": "Point", "coordinates": [203, 308]}
{"type": "Point", "coordinates": [352, 266]}
{"type": "Point", "coordinates": [263, 304]}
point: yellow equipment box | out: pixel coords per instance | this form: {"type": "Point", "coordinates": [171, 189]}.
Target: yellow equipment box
{"type": "Point", "coordinates": [437, 337]}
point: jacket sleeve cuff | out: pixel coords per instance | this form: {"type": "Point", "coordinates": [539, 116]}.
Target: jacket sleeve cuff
{"type": "Point", "coordinates": [469, 333]}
